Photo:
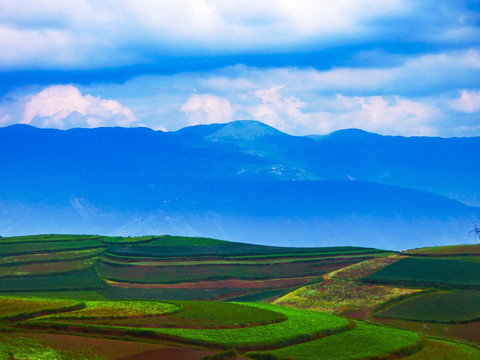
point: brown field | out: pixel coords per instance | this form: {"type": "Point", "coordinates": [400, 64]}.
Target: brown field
{"type": "Point", "coordinates": [45, 268]}
{"type": "Point", "coordinates": [221, 284]}
{"type": "Point", "coordinates": [469, 331]}
{"type": "Point", "coordinates": [119, 349]}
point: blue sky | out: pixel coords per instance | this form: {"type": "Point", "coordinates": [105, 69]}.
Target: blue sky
{"type": "Point", "coordinates": [400, 67]}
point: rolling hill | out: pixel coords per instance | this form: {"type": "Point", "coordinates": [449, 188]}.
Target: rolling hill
{"type": "Point", "coordinates": [242, 181]}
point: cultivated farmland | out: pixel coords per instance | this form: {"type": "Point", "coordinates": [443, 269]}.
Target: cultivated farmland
{"type": "Point", "coordinates": [93, 293]}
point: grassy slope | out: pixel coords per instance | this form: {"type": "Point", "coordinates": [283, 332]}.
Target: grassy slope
{"type": "Point", "coordinates": [341, 291]}
{"type": "Point", "coordinates": [201, 314]}
{"type": "Point", "coordinates": [446, 350]}
{"type": "Point", "coordinates": [443, 307]}
{"type": "Point", "coordinates": [64, 263]}
{"type": "Point", "coordinates": [23, 348]}
{"type": "Point", "coordinates": [429, 272]}
{"type": "Point", "coordinates": [300, 325]}
{"type": "Point", "coordinates": [446, 250]}
{"type": "Point", "coordinates": [365, 341]}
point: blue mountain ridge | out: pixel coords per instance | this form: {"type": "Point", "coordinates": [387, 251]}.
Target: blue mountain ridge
{"type": "Point", "coordinates": [241, 181]}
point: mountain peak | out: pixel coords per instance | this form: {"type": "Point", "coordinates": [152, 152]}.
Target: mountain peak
{"type": "Point", "coordinates": [244, 130]}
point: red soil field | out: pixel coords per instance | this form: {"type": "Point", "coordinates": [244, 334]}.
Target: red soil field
{"type": "Point", "coordinates": [119, 349]}
{"type": "Point", "coordinates": [470, 331]}
{"type": "Point", "coordinates": [232, 283]}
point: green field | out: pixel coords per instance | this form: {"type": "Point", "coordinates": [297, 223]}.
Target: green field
{"type": "Point", "coordinates": [48, 238]}
{"type": "Point", "coordinates": [443, 307]}
{"type": "Point", "coordinates": [175, 314]}
{"type": "Point", "coordinates": [141, 288]}
{"type": "Point", "coordinates": [23, 348]}
{"type": "Point", "coordinates": [454, 250]}
{"type": "Point", "coordinates": [189, 273]}
{"type": "Point", "coordinates": [446, 350]}
{"type": "Point", "coordinates": [57, 256]}
{"type": "Point", "coordinates": [300, 325]}
{"type": "Point", "coordinates": [19, 248]}
{"type": "Point", "coordinates": [118, 309]}
{"type": "Point", "coordinates": [14, 308]}
{"type": "Point", "coordinates": [76, 280]}
{"type": "Point", "coordinates": [429, 272]}
{"type": "Point", "coordinates": [363, 342]}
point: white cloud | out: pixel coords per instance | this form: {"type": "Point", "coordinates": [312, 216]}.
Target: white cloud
{"type": "Point", "coordinates": [207, 109]}
{"type": "Point", "coordinates": [117, 32]}
{"type": "Point", "coordinates": [426, 73]}
{"type": "Point", "coordinates": [5, 119]}
{"type": "Point", "coordinates": [387, 115]}
{"type": "Point", "coordinates": [63, 106]}
{"type": "Point", "coordinates": [415, 98]}
{"type": "Point", "coordinates": [468, 102]}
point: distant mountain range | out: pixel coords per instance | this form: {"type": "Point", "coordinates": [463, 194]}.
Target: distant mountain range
{"type": "Point", "coordinates": [241, 181]}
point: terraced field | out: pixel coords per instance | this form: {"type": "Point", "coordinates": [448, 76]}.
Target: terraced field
{"type": "Point", "coordinates": [452, 250]}
{"type": "Point", "coordinates": [245, 326]}
{"type": "Point", "coordinates": [77, 278]}
{"type": "Point", "coordinates": [342, 291]}
{"type": "Point", "coordinates": [426, 272]}
{"type": "Point", "coordinates": [163, 267]}
{"type": "Point", "coordinates": [459, 306]}
{"type": "Point", "coordinates": [363, 342]}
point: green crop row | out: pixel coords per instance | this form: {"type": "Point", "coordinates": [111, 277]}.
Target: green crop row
{"type": "Point", "coordinates": [429, 272]}
{"type": "Point", "coordinates": [258, 262]}
{"type": "Point", "coordinates": [118, 309]}
{"type": "Point", "coordinates": [112, 240]}
{"type": "Point", "coordinates": [220, 314]}
{"type": "Point", "coordinates": [446, 350]}
{"type": "Point", "coordinates": [156, 249]}
{"type": "Point", "coordinates": [15, 308]}
{"type": "Point", "coordinates": [50, 257]}
{"type": "Point", "coordinates": [446, 250]}
{"type": "Point", "coordinates": [301, 325]}
{"type": "Point", "coordinates": [23, 348]}
{"type": "Point", "coordinates": [185, 241]}
{"type": "Point", "coordinates": [201, 314]}
{"type": "Point", "coordinates": [77, 280]}
{"type": "Point", "coordinates": [10, 249]}
{"type": "Point", "coordinates": [365, 341]}
{"type": "Point", "coordinates": [46, 268]}
{"type": "Point", "coordinates": [178, 274]}
{"type": "Point", "coordinates": [47, 238]}
{"type": "Point", "coordinates": [443, 307]}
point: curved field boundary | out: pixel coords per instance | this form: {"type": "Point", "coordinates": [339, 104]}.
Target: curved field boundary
{"type": "Point", "coordinates": [75, 270]}
{"type": "Point", "coordinates": [226, 263]}
{"type": "Point", "coordinates": [47, 268]}
{"type": "Point", "coordinates": [219, 284]}
{"type": "Point", "coordinates": [132, 261]}
{"type": "Point", "coordinates": [426, 272]}
{"type": "Point", "coordinates": [365, 341]}
{"type": "Point", "coordinates": [301, 325]}
{"type": "Point", "coordinates": [55, 257]}
{"type": "Point", "coordinates": [129, 241]}
{"type": "Point", "coordinates": [48, 250]}
{"type": "Point", "coordinates": [47, 238]}
{"type": "Point", "coordinates": [85, 279]}
{"type": "Point", "coordinates": [446, 350]}
{"type": "Point", "coordinates": [449, 250]}
{"type": "Point", "coordinates": [120, 309]}
{"type": "Point", "coordinates": [185, 314]}
{"type": "Point", "coordinates": [453, 307]}
{"type": "Point", "coordinates": [45, 307]}
{"type": "Point", "coordinates": [230, 249]}
{"type": "Point", "coordinates": [181, 274]}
